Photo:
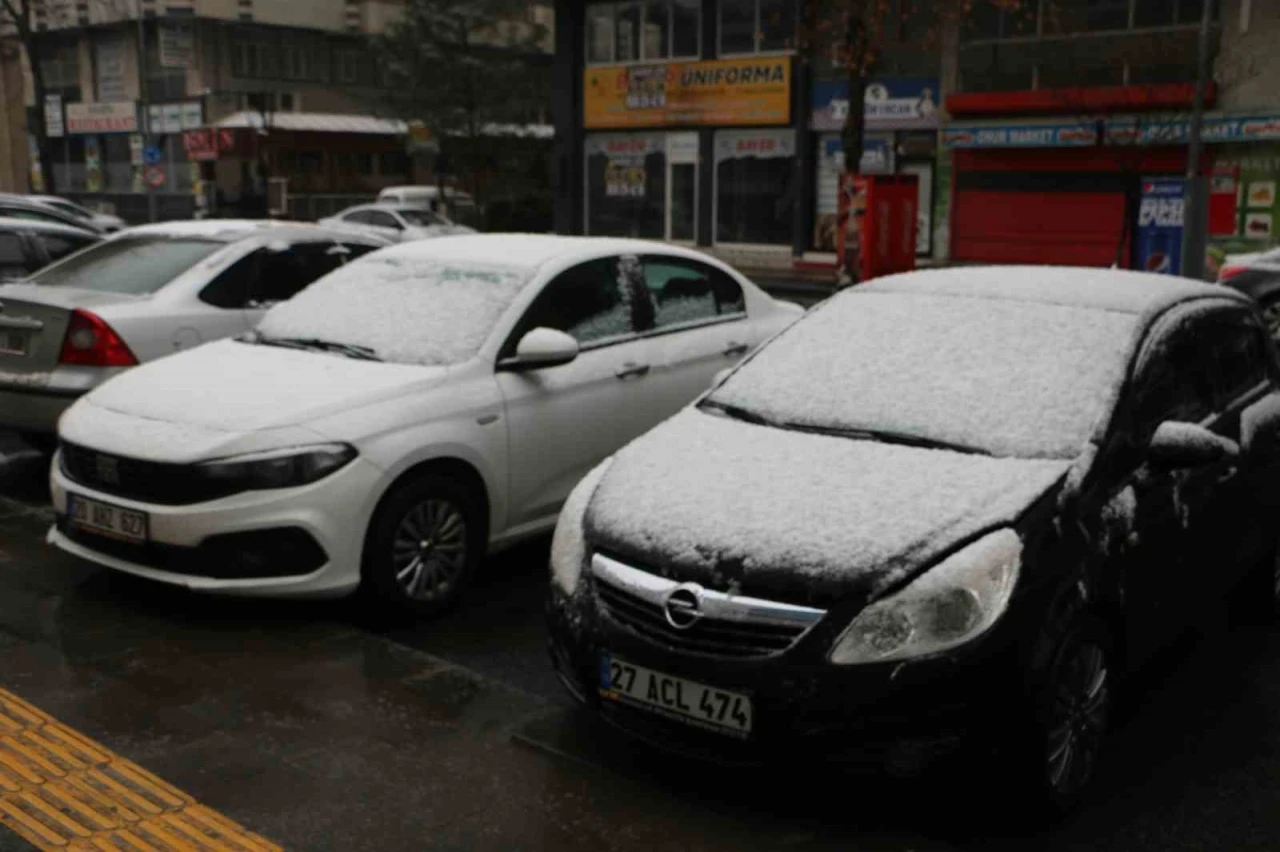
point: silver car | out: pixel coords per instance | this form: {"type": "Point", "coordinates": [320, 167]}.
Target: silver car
{"type": "Point", "coordinates": [143, 293]}
{"type": "Point", "coordinates": [400, 223]}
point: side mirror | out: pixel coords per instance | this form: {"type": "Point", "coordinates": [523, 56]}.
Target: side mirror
{"type": "Point", "coordinates": [1260, 424]}
{"type": "Point", "coordinates": [1183, 445]}
{"type": "Point", "coordinates": [542, 347]}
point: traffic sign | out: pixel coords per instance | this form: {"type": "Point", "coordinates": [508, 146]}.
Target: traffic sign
{"type": "Point", "coordinates": [154, 175]}
{"type": "Point", "coordinates": [151, 155]}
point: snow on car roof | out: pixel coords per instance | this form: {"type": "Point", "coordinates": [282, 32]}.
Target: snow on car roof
{"type": "Point", "coordinates": [1081, 287]}
{"type": "Point", "coordinates": [527, 251]}
{"type": "Point", "coordinates": [230, 230]}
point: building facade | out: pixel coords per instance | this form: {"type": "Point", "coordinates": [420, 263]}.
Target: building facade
{"type": "Point", "coordinates": [212, 102]}
{"type": "Point", "coordinates": [1031, 132]}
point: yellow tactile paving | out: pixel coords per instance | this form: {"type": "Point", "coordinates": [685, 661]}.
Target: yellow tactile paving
{"type": "Point", "coordinates": [60, 790]}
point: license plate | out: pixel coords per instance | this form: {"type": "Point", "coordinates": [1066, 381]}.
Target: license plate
{"type": "Point", "coordinates": [675, 697]}
{"type": "Point", "coordinates": [104, 519]}
{"type": "Point", "coordinates": [13, 342]}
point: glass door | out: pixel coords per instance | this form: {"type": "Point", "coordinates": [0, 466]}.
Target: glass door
{"type": "Point", "coordinates": [682, 187]}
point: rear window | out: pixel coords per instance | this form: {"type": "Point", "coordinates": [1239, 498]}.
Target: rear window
{"type": "Point", "coordinates": [133, 265]}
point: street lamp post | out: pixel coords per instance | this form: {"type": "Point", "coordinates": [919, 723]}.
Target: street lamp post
{"type": "Point", "coordinates": [145, 100]}
{"type": "Point", "coordinates": [1195, 214]}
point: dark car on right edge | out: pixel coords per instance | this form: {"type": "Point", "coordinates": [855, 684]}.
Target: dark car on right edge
{"type": "Point", "coordinates": [942, 514]}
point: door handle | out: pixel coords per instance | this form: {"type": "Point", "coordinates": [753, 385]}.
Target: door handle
{"type": "Point", "coordinates": [631, 370]}
{"type": "Point", "coordinates": [736, 350]}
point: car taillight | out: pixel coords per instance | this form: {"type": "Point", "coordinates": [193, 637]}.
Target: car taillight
{"type": "Point", "coordinates": [1230, 272]}
{"type": "Point", "coordinates": [90, 342]}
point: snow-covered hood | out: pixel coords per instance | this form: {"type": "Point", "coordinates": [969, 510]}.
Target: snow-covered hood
{"type": "Point", "coordinates": [229, 386]}
{"type": "Point", "coordinates": [809, 517]}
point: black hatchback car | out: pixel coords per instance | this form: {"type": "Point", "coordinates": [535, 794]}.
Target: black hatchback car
{"type": "Point", "coordinates": [944, 510]}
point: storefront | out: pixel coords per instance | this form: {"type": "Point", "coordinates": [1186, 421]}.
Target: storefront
{"type": "Point", "coordinates": [1067, 192]}
{"type": "Point", "coordinates": [691, 152]}
{"type": "Point", "coordinates": [900, 137]}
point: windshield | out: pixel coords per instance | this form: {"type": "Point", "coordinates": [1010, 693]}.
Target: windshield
{"type": "Point", "coordinates": [418, 216]}
{"type": "Point", "coordinates": [133, 265]}
{"type": "Point", "coordinates": [71, 209]}
{"type": "Point", "coordinates": [1009, 378]}
{"type": "Point", "coordinates": [411, 310]}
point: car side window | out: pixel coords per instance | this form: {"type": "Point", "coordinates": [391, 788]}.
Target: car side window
{"type": "Point", "coordinates": [13, 260]}
{"type": "Point", "coordinates": [360, 217]}
{"type": "Point", "coordinates": [384, 220]}
{"type": "Point", "coordinates": [1236, 350]}
{"type": "Point", "coordinates": [589, 301]}
{"type": "Point", "coordinates": [233, 285]}
{"type": "Point", "coordinates": [283, 274]}
{"type": "Point", "coordinates": [686, 291]}
{"type": "Point", "coordinates": [1176, 383]}
{"type": "Point", "coordinates": [60, 245]}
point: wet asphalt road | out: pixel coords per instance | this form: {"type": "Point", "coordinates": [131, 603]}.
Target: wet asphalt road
{"type": "Point", "coordinates": [322, 728]}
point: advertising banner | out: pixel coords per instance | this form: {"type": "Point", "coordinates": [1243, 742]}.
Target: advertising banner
{"type": "Point", "coordinates": [176, 44]}
{"type": "Point", "coordinates": [115, 117]}
{"type": "Point", "coordinates": [53, 124]}
{"type": "Point", "coordinates": [1160, 225]}
{"type": "Point", "coordinates": [891, 103]}
{"type": "Point", "coordinates": [1021, 136]}
{"type": "Point", "coordinates": [112, 70]}
{"type": "Point", "coordinates": [722, 92]}
{"type": "Point", "coordinates": [1123, 130]}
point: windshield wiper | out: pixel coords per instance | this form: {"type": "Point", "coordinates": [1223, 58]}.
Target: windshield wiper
{"type": "Point", "coordinates": [883, 436]}
{"type": "Point", "coordinates": [737, 412]}
{"type": "Point", "coordinates": [362, 353]}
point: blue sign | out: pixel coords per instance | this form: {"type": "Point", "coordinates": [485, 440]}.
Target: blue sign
{"type": "Point", "coordinates": [1021, 136]}
{"type": "Point", "coordinates": [151, 155]}
{"type": "Point", "coordinates": [1160, 225]}
{"type": "Point", "coordinates": [891, 103]}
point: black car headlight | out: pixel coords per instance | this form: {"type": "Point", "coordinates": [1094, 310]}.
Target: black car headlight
{"type": "Point", "coordinates": [952, 603]}
{"type": "Point", "coordinates": [282, 468]}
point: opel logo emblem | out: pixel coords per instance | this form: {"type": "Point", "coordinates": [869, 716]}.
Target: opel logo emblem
{"type": "Point", "coordinates": [108, 470]}
{"type": "Point", "coordinates": [683, 607]}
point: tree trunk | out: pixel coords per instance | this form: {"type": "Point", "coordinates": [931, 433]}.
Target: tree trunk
{"type": "Point", "coordinates": [851, 137]}
{"type": "Point", "coordinates": [39, 130]}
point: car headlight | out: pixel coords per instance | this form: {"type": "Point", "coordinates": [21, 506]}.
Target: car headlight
{"type": "Point", "coordinates": [281, 468]}
{"type": "Point", "coordinates": [569, 544]}
{"type": "Point", "coordinates": [953, 602]}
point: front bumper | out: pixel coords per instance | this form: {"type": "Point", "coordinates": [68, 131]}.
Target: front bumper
{"type": "Point", "coordinates": [332, 513]}
{"type": "Point", "coordinates": [899, 716]}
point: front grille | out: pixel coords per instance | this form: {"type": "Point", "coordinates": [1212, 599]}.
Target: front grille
{"type": "Point", "coordinates": [730, 627]}
{"type": "Point", "coordinates": [134, 479]}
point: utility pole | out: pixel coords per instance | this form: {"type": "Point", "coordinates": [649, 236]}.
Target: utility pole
{"type": "Point", "coordinates": [146, 110]}
{"type": "Point", "coordinates": [1195, 211]}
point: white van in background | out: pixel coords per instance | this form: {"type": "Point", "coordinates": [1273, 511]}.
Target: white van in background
{"type": "Point", "coordinates": [456, 203]}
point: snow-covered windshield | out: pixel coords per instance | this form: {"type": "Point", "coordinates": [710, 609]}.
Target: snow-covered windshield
{"type": "Point", "coordinates": [403, 309]}
{"type": "Point", "coordinates": [1005, 377]}
{"type": "Point", "coordinates": [137, 265]}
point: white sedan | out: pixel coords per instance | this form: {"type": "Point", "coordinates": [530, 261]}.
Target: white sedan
{"type": "Point", "coordinates": [143, 293]}
{"type": "Point", "coordinates": [400, 417]}
{"type": "Point", "coordinates": [399, 223]}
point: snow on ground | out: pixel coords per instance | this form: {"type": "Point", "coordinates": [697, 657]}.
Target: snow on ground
{"type": "Point", "coordinates": [705, 492]}
{"type": "Point", "coordinates": [408, 309]}
{"type": "Point", "coordinates": [1012, 377]}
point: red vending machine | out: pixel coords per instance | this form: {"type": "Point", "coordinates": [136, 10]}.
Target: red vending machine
{"type": "Point", "coordinates": [878, 213]}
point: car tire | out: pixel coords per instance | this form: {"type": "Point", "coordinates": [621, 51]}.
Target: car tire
{"type": "Point", "coordinates": [424, 545]}
{"type": "Point", "coordinates": [1071, 710]}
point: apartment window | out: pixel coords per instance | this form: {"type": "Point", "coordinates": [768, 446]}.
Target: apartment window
{"type": "Point", "coordinates": [286, 102]}
{"type": "Point", "coordinates": [244, 60]}
{"type": "Point", "coordinates": [393, 163]}
{"type": "Point", "coordinates": [364, 164]}
{"type": "Point", "coordinates": [353, 67]}
{"type": "Point", "coordinates": [757, 26]}
{"type": "Point", "coordinates": [647, 31]}
{"type": "Point", "coordinates": [1163, 13]}
{"type": "Point", "coordinates": [295, 63]}
{"type": "Point", "coordinates": [61, 66]}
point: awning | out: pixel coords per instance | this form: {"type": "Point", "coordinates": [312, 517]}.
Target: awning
{"type": "Point", "coordinates": [329, 122]}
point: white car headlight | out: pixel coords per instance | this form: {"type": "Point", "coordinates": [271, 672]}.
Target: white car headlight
{"type": "Point", "coordinates": [953, 602]}
{"type": "Point", "coordinates": [569, 544]}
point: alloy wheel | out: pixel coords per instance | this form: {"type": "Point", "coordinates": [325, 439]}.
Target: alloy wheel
{"type": "Point", "coordinates": [1077, 719]}
{"type": "Point", "coordinates": [429, 549]}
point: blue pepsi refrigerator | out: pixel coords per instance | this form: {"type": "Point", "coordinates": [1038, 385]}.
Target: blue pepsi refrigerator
{"type": "Point", "coordinates": [1159, 230]}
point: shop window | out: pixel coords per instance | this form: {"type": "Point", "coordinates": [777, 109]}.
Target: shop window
{"type": "Point", "coordinates": [1165, 13]}
{"type": "Point", "coordinates": [757, 26]}
{"type": "Point", "coordinates": [755, 186]}
{"type": "Point", "coordinates": [646, 31]}
{"type": "Point", "coordinates": [626, 185]}
{"type": "Point", "coordinates": [393, 163]}
{"type": "Point", "coordinates": [61, 66]}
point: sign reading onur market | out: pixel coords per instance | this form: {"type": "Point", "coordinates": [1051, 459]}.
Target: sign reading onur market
{"type": "Point", "coordinates": [729, 91]}
{"type": "Point", "coordinates": [109, 117]}
{"type": "Point", "coordinates": [1122, 130]}
{"type": "Point", "coordinates": [890, 103]}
